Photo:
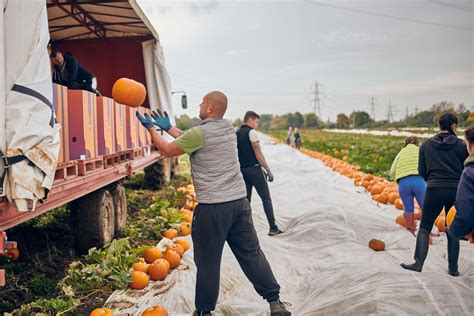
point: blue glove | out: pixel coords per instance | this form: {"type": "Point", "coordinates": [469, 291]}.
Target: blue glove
{"type": "Point", "coordinates": [146, 121]}
{"type": "Point", "coordinates": [268, 174]}
{"type": "Point", "coordinates": [161, 120]}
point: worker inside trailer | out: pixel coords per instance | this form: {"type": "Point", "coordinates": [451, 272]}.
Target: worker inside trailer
{"type": "Point", "coordinates": [69, 72]}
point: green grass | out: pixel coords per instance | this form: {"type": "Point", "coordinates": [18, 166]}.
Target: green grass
{"type": "Point", "coordinates": [374, 154]}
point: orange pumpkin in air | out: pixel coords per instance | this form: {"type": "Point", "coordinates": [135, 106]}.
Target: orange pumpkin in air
{"type": "Point", "coordinates": [129, 92]}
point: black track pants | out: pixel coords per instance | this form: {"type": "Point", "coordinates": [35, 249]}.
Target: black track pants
{"type": "Point", "coordinates": [213, 225]}
{"type": "Point", "coordinates": [435, 200]}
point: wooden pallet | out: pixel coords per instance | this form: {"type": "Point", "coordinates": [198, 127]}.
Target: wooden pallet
{"type": "Point", "coordinates": [111, 160]}
{"type": "Point", "coordinates": [137, 153]}
{"type": "Point", "coordinates": [89, 166]}
{"type": "Point", "coordinates": [66, 170]}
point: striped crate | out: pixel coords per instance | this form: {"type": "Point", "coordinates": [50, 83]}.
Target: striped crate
{"type": "Point", "coordinates": [61, 110]}
{"type": "Point", "coordinates": [120, 127]}
{"type": "Point", "coordinates": [106, 125]}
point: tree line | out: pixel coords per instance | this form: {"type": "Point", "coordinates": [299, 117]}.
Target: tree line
{"type": "Point", "coordinates": [356, 119]}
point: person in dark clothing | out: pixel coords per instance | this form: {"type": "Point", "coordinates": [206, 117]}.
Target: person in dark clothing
{"type": "Point", "coordinates": [69, 72]}
{"type": "Point", "coordinates": [463, 223]}
{"type": "Point", "coordinates": [297, 139]}
{"type": "Point", "coordinates": [441, 164]}
{"type": "Point", "coordinates": [251, 163]}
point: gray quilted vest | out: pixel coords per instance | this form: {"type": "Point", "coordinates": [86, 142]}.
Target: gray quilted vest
{"type": "Point", "coordinates": [215, 167]}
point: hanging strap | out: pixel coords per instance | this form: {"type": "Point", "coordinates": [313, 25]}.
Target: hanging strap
{"type": "Point", "coordinates": [7, 162]}
{"type": "Point", "coordinates": [37, 95]}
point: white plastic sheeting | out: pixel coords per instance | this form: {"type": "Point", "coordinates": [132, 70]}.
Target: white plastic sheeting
{"type": "Point", "coordinates": [323, 262]}
{"type": "Point", "coordinates": [27, 129]}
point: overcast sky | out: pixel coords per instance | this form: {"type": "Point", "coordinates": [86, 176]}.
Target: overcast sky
{"type": "Point", "coordinates": [266, 55]}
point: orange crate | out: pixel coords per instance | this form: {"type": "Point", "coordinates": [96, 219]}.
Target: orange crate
{"type": "Point", "coordinates": [82, 114]}
{"type": "Point", "coordinates": [106, 125]}
{"type": "Point", "coordinates": [132, 127]}
{"type": "Point", "coordinates": [142, 131]}
{"type": "Point", "coordinates": [120, 127]}
{"type": "Point", "coordinates": [61, 110]}
{"type": "Point", "coordinates": [148, 136]}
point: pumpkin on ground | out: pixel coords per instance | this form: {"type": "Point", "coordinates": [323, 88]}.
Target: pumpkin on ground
{"type": "Point", "coordinates": [155, 311]}
{"type": "Point", "coordinates": [399, 205]}
{"type": "Point", "coordinates": [441, 224]}
{"type": "Point", "coordinates": [173, 258]}
{"type": "Point", "coordinates": [376, 245]}
{"type": "Point", "coordinates": [392, 197]}
{"type": "Point", "coordinates": [170, 233]}
{"type": "Point", "coordinates": [129, 92]}
{"type": "Point", "coordinates": [182, 190]}
{"type": "Point", "coordinates": [417, 215]}
{"type": "Point", "coordinates": [140, 266]}
{"type": "Point", "coordinates": [152, 254]}
{"type": "Point", "coordinates": [184, 229]}
{"type": "Point", "coordinates": [382, 198]}
{"type": "Point", "coordinates": [102, 312]}
{"type": "Point", "coordinates": [176, 247]}
{"type": "Point", "coordinates": [184, 243]}
{"type": "Point", "coordinates": [450, 216]}
{"type": "Point", "coordinates": [158, 270]}
{"type": "Point", "coordinates": [139, 280]}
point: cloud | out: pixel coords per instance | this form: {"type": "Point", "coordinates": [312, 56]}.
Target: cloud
{"type": "Point", "coordinates": [453, 81]}
{"type": "Point", "coordinates": [197, 7]}
{"type": "Point", "coordinates": [234, 52]}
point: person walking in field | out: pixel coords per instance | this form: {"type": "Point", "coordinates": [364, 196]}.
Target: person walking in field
{"type": "Point", "coordinates": [223, 213]}
{"type": "Point", "coordinates": [297, 138]}
{"type": "Point", "coordinates": [441, 163]}
{"type": "Point", "coordinates": [464, 220]}
{"type": "Point", "coordinates": [410, 184]}
{"type": "Point", "coordinates": [289, 136]}
{"type": "Point", "coordinates": [254, 167]}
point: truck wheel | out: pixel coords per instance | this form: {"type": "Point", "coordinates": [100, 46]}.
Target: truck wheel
{"type": "Point", "coordinates": [158, 174]}
{"type": "Point", "coordinates": [120, 207]}
{"type": "Point", "coordinates": [94, 220]}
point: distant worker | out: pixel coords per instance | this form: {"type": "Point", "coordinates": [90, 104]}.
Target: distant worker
{"type": "Point", "coordinates": [69, 72]}
{"type": "Point", "coordinates": [464, 220]}
{"type": "Point", "coordinates": [223, 213]}
{"type": "Point", "coordinates": [251, 163]}
{"type": "Point", "coordinates": [441, 164]}
{"type": "Point", "coordinates": [289, 136]}
{"type": "Point", "coordinates": [297, 138]}
{"type": "Point", "coordinates": [410, 184]}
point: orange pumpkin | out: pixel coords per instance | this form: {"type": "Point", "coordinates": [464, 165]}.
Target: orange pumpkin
{"type": "Point", "coordinates": [173, 258]}
{"type": "Point", "coordinates": [185, 229]}
{"type": "Point", "coordinates": [441, 223]}
{"type": "Point", "coordinates": [158, 270]}
{"type": "Point", "coordinates": [152, 254]}
{"type": "Point", "coordinates": [102, 312]}
{"type": "Point", "coordinates": [399, 205]}
{"type": "Point", "coordinates": [170, 233]}
{"type": "Point", "coordinates": [376, 245]}
{"type": "Point", "coordinates": [139, 280]}
{"type": "Point", "coordinates": [13, 254]}
{"type": "Point", "coordinates": [382, 198]}
{"type": "Point", "coordinates": [182, 190]}
{"type": "Point", "coordinates": [451, 215]}
{"type": "Point", "coordinates": [140, 266]}
{"type": "Point", "coordinates": [417, 215]}
{"type": "Point", "coordinates": [155, 311]}
{"type": "Point", "coordinates": [129, 92]}
{"type": "Point", "coordinates": [183, 244]}
{"type": "Point", "coordinates": [392, 197]}
{"type": "Point", "coordinates": [176, 247]}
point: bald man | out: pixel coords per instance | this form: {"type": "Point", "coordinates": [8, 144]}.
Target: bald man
{"type": "Point", "coordinates": [223, 213]}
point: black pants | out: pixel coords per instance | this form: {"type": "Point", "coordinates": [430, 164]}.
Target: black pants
{"type": "Point", "coordinates": [254, 177]}
{"type": "Point", "coordinates": [213, 225]}
{"type": "Point", "coordinates": [435, 200]}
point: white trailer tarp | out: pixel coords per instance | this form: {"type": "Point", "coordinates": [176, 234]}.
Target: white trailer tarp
{"type": "Point", "coordinates": [30, 126]}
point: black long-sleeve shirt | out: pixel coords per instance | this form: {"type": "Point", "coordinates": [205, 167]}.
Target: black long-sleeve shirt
{"type": "Point", "coordinates": [441, 160]}
{"type": "Point", "coordinates": [71, 74]}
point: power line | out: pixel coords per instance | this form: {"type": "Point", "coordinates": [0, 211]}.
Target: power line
{"type": "Point", "coordinates": [316, 99]}
{"type": "Point", "coordinates": [394, 17]}
{"type": "Point", "coordinates": [390, 112]}
{"type": "Point", "coordinates": [453, 5]}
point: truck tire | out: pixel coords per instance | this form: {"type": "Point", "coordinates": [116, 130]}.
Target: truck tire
{"type": "Point", "coordinates": [94, 220]}
{"type": "Point", "coordinates": [158, 174]}
{"type": "Point", "coordinates": [120, 208]}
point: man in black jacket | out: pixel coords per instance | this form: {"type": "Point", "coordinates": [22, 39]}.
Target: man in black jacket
{"type": "Point", "coordinates": [251, 163]}
{"type": "Point", "coordinates": [69, 72]}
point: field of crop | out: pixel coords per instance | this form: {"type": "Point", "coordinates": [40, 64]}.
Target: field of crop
{"type": "Point", "coordinates": [374, 154]}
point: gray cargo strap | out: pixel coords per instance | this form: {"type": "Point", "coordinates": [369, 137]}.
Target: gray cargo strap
{"type": "Point", "coordinates": [7, 162]}
{"type": "Point", "coordinates": [37, 95]}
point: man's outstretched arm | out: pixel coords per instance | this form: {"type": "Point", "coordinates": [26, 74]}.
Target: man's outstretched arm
{"type": "Point", "coordinates": [162, 120]}
{"type": "Point", "coordinates": [261, 159]}
{"type": "Point", "coordinates": [165, 148]}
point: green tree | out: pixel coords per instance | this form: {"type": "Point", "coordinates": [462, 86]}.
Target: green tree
{"type": "Point", "coordinates": [238, 122]}
{"type": "Point", "coordinates": [184, 122]}
{"type": "Point", "coordinates": [311, 120]}
{"type": "Point", "coordinates": [343, 121]}
{"type": "Point", "coordinates": [279, 122]}
{"type": "Point", "coordinates": [298, 120]}
{"type": "Point", "coordinates": [265, 121]}
{"type": "Point", "coordinates": [360, 119]}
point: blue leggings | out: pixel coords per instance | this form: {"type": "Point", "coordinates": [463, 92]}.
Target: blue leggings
{"type": "Point", "coordinates": [409, 188]}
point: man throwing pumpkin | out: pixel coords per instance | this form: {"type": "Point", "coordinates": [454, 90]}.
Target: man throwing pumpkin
{"type": "Point", "coordinates": [223, 213]}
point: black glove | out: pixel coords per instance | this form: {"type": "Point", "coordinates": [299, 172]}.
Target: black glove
{"type": "Point", "coordinates": [268, 174]}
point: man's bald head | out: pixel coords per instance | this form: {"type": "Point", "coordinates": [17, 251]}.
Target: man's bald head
{"type": "Point", "coordinates": [214, 105]}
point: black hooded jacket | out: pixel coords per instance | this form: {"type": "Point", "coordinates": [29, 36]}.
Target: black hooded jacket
{"type": "Point", "coordinates": [441, 160]}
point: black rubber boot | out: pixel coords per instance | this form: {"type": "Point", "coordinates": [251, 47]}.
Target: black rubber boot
{"type": "Point", "coordinates": [453, 256]}
{"type": "Point", "coordinates": [421, 251]}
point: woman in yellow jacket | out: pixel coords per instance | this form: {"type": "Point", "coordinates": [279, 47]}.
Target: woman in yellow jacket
{"type": "Point", "coordinates": [410, 184]}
